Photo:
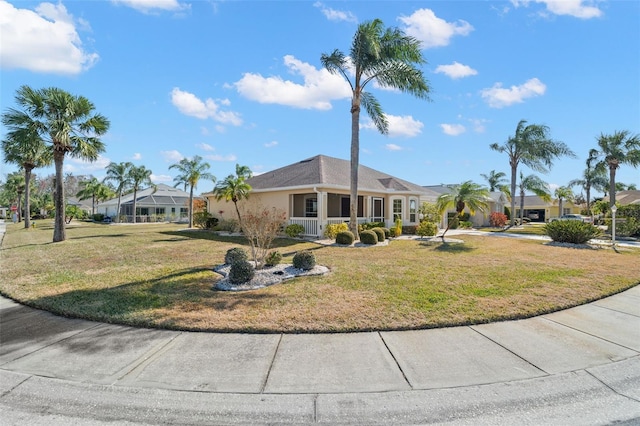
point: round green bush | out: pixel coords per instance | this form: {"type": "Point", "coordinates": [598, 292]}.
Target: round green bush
{"type": "Point", "coordinates": [273, 258]}
{"type": "Point", "coordinates": [345, 237]}
{"type": "Point", "coordinates": [387, 233]}
{"type": "Point", "coordinates": [380, 234]}
{"type": "Point", "coordinates": [241, 272]}
{"type": "Point", "coordinates": [234, 255]}
{"type": "Point", "coordinates": [368, 237]}
{"type": "Point", "coordinates": [571, 231]}
{"type": "Point", "coordinates": [304, 260]}
{"type": "Point", "coordinates": [294, 230]}
{"type": "Point", "coordinates": [427, 229]}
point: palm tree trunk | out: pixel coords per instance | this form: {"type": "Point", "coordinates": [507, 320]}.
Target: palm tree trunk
{"type": "Point", "coordinates": [118, 209]}
{"type": "Point", "coordinates": [612, 185]}
{"type": "Point", "coordinates": [235, 203]}
{"type": "Point", "coordinates": [27, 196]}
{"type": "Point", "coordinates": [355, 162]}
{"type": "Point", "coordinates": [559, 207]}
{"type": "Point", "coordinates": [449, 224]}
{"type": "Point", "coordinates": [135, 196]}
{"type": "Point", "coordinates": [521, 207]}
{"type": "Point", "coordinates": [514, 175]}
{"type": "Point", "coordinates": [191, 207]}
{"type": "Point", "coordinates": [59, 232]}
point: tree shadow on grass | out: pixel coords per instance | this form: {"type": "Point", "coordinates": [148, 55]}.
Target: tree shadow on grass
{"type": "Point", "coordinates": [126, 303]}
{"type": "Point", "coordinates": [447, 247]}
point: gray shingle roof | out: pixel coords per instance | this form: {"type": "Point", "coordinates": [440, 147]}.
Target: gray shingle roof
{"type": "Point", "coordinates": [163, 195]}
{"type": "Point", "coordinates": [329, 171]}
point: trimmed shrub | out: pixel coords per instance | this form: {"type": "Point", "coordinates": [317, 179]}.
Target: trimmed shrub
{"type": "Point", "coordinates": [626, 227]}
{"type": "Point", "coordinates": [234, 255]}
{"type": "Point", "coordinates": [427, 229]}
{"type": "Point", "coordinates": [241, 272]}
{"type": "Point", "coordinates": [273, 258]}
{"type": "Point", "coordinates": [387, 232]}
{"type": "Point", "coordinates": [370, 225]}
{"type": "Point", "coordinates": [498, 220]}
{"type": "Point", "coordinates": [571, 231]}
{"type": "Point", "coordinates": [98, 217]}
{"type": "Point", "coordinates": [304, 260]}
{"type": "Point", "coordinates": [228, 225]}
{"type": "Point", "coordinates": [331, 231]}
{"type": "Point", "coordinates": [380, 233]}
{"type": "Point", "coordinates": [465, 224]}
{"type": "Point", "coordinates": [294, 230]}
{"type": "Point", "coordinates": [368, 237]}
{"type": "Point", "coordinates": [345, 237]}
{"type": "Point", "coordinates": [397, 229]}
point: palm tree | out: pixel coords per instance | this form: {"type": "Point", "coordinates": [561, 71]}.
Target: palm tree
{"type": "Point", "coordinates": [388, 57]}
{"type": "Point", "coordinates": [26, 149]}
{"type": "Point", "coordinates": [563, 193]}
{"type": "Point", "coordinates": [15, 186]}
{"type": "Point", "coordinates": [532, 147]}
{"type": "Point", "coordinates": [88, 189]}
{"type": "Point", "coordinates": [138, 176]}
{"type": "Point", "coordinates": [592, 177]}
{"type": "Point", "coordinates": [68, 124]}
{"type": "Point", "coordinates": [614, 150]}
{"type": "Point", "coordinates": [234, 188]}
{"type": "Point", "coordinates": [496, 180]}
{"type": "Point", "coordinates": [191, 171]}
{"type": "Point", "coordinates": [119, 174]}
{"type": "Point", "coordinates": [532, 183]}
{"type": "Point", "coordinates": [466, 195]}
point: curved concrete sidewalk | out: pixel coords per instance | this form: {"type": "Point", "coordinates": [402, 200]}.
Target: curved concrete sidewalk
{"type": "Point", "coordinates": [578, 366]}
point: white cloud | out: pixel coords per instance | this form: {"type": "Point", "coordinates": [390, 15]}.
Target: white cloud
{"type": "Point", "coordinates": [399, 126]}
{"type": "Point", "coordinates": [160, 178]}
{"type": "Point", "coordinates": [172, 156]}
{"type": "Point", "coordinates": [137, 156]}
{"type": "Point", "coordinates": [335, 15]}
{"type": "Point", "coordinates": [577, 8]}
{"type": "Point", "coordinates": [453, 129]}
{"type": "Point", "coordinates": [218, 157]}
{"type": "Point", "coordinates": [424, 25]}
{"type": "Point", "coordinates": [456, 70]}
{"type": "Point", "coordinates": [80, 166]}
{"type": "Point", "coordinates": [319, 89]}
{"type": "Point", "coordinates": [44, 40]}
{"type": "Point", "coordinates": [478, 124]}
{"type": "Point", "coordinates": [498, 97]}
{"type": "Point", "coordinates": [205, 147]}
{"type": "Point", "coordinates": [271, 144]}
{"type": "Point", "coordinates": [393, 147]}
{"type": "Point", "coordinates": [189, 104]}
{"type": "Point", "coordinates": [149, 6]}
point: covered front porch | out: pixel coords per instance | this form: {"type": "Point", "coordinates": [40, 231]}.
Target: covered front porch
{"type": "Point", "coordinates": [315, 210]}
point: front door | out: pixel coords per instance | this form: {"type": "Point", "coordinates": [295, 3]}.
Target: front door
{"type": "Point", "coordinates": [378, 210]}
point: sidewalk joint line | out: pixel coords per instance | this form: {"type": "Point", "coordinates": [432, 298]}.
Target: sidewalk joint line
{"type": "Point", "coordinates": [273, 360]}
{"type": "Point", "coordinates": [590, 334]}
{"type": "Point", "coordinates": [610, 387]}
{"type": "Point", "coordinates": [406, 379]}
{"type": "Point", "coordinates": [7, 392]}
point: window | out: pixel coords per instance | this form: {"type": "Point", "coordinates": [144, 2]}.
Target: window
{"type": "Point", "coordinates": [160, 210]}
{"type": "Point", "coordinates": [397, 209]}
{"type": "Point", "coordinates": [311, 207]}
{"type": "Point", "coordinates": [413, 210]}
{"type": "Point", "coordinates": [566, 211]}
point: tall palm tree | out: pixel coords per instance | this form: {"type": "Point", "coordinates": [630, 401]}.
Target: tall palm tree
{"type": "Point", "coordinates": [532, 183]}
{"type": "Point", "coordinates": [234, 188]}
{"type": "Point", "coordinates": [139, 176]}
{"type": "Point", "coordinates": [466, 195]}
{"type": "Point", "coordinates": [25, 148]}
{"type": "Point", "coordinates": [496, 180]}
{"type": "Point", "coordinates": [531, 146]}
{"type": "Point", "coordinates": [68, 124]}
{"type": "Point", "coordinates": [88, 189]}
{"type": "Point", "coordinates": [614, 150]}
{"type": "Point", "coordinates": [191, 171]}
{"type": "Point", "coordinates": [592, 177]}
{"type": "Point", "coordinates": [118, 173]}
{"type": "Point", "coordinates": [563, 193]}
{"type": "Point", "coordinates": [387, 57]}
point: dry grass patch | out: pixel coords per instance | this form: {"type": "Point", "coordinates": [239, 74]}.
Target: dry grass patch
{"type": "Point", "coordinates": [162, 276]}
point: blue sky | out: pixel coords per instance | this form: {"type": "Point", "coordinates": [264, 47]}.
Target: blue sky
{"type": "Point", "coordinates": [241, 81]}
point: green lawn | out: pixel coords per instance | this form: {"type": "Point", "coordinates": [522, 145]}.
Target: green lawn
{"type": "Point", "coordinates": [160, 275]}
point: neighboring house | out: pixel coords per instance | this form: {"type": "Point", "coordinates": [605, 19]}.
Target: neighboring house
{"type": "Point", "coordinates": [315, 192]}
{"type": "Point", "coordinates": [162, 203]}
{"type": "Point", "coordinates": [541, 211]}
{"type": "Point", "coordinates": [3, 212]}
{"type": "Point", "coordinates": [497, 201]}
{"type": "Point", "coordinates": [625, 198]}
{"type": "Point", "coordinates": [84, 205]}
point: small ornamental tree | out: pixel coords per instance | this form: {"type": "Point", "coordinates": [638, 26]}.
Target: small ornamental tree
{"type": "Point", "coordinates": [260, 226]}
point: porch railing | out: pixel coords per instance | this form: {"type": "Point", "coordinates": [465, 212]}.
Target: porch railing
{"type": "Point", "coordinates": [311, 225]}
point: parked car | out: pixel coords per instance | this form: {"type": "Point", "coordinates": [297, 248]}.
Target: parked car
{"type": "Point", "coordinates": [534, 216]}
{"type": "Point", "coordinates": [580, 217]}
